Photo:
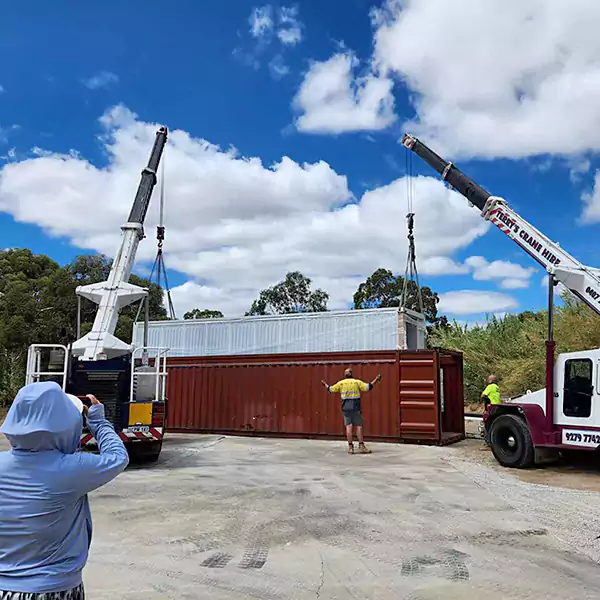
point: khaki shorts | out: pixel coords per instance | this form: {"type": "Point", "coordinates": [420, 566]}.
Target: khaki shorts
{"type": "Point", "coordinates": [353, 418]}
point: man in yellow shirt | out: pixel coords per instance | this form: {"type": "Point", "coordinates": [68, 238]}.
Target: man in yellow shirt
{"type": "Point", "coordinates": [350, 390]}
{"type": "Point", "coordinates": [491, 394]}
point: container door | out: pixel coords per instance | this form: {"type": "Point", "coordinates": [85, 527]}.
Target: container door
{"type": "Point", "coordinates": [419, 397]}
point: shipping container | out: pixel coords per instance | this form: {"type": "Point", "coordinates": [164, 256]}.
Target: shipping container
{"type": "Point", "coordinates": [420, 397]}
{"type": "Point", "coordinates": [332, 331]}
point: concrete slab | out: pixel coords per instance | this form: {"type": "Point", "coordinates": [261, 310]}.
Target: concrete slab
{"type": "Point", "coordinates": [246, 518]}
{"type": "Point", "coordinates": [241, 518]}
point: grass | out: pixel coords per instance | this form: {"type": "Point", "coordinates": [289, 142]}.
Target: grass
{"type": "Point", "coordinates": [513, 347]}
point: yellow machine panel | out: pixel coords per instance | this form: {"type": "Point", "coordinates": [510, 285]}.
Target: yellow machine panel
{"type": "Point", "coordinates": [140, 413]}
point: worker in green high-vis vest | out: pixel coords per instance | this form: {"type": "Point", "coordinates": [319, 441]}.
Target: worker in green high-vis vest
{"type": "Point", "coordinates": [491, 394]}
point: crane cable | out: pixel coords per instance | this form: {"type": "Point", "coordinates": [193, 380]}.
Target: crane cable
{"type": "Point", "coordinates": [159, 261]}
{"type": "Point", "coordinates": [411, 273]}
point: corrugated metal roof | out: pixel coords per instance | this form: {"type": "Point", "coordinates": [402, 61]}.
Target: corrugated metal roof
{"type": "Point", "coordinates": [333, 331]}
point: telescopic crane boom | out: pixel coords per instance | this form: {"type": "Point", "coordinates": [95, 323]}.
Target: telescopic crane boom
{"type": "Point", "coordinates": [115, 293]}
{"type": "Point", "coordinates": [582, 281]}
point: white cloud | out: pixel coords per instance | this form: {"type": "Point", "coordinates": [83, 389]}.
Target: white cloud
{"type": "Point", "coordinates": [261, 21]}
{"type": "Point", "coordinates": [578, 166]}
{"type": "Point", "coordinates": [440, 265]}
{"type": "Point", "coordinates": [591, 202]}
{"type": "Point", "coordinates": [524, 80]}
{"type": "Point", "coordinates": [278, 68]}
{"type": "Point", "coordinates": [234, 225]}
{"type": "Point", "coordinates": [471, 302]}
{"type": "Point", "coordinates": [290, 28]}
{"type": "Point", "coordinates": [101, 80]}
{"type": "Point", "coordinates": [10, 155]}
{"type": "Point", "coordinates": [514, 284]}
{"type": "Point", "coordinates": [267, 25]}
{"type": "Point", "coordinates": [492, 79]}
{"type": "Point", "coordinates": [332, 99]}
{"type": "Point", "coordinates": [286, 24]}
{"type": "Point", "coordinates": [511, 275]}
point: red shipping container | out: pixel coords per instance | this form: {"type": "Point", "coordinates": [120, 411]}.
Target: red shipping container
{"type": "Point", "coordinates": [419, 399]}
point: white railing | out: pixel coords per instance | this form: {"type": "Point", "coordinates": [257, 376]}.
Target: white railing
{"type": "Point", "coordinates": [159, 371]}
{"type": "Point", "coordinates": [34, 362]}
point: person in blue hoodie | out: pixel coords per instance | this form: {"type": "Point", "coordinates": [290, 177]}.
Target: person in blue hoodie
{"type": "Point", "coordinates": [45, 519]}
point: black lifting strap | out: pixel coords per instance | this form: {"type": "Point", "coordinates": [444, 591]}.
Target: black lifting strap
{"type": "Point", "coordinates": [411, 273]}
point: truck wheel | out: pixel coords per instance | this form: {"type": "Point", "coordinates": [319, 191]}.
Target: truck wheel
{"type": "Point", "coordinates": [140, 453]}
{"type": "Point", "coordinates": [154, 453]}
{"type": "Point", "coordinates": [511, 442]}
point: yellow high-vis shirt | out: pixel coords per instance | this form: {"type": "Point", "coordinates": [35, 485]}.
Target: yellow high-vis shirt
{"type": "Point", "coordinates": [350, 390]}
{"type": "Point", "coordinates": [492, 391]}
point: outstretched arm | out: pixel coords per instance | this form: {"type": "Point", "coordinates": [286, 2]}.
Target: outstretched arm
{"type": "Point", "coordinates": [376, 380]}
{"type": "Point", "coordinates": [367, 387]}
{"type": "Point", "coordinates": [331, 388]}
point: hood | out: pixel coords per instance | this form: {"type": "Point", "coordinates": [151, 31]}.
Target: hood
{"type": "Point", "coordinates": [42, 417]}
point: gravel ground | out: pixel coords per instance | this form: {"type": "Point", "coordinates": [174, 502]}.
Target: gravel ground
{"type": "Point", "coordinates": [572, 515]}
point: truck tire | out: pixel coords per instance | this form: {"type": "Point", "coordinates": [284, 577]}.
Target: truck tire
{"type": "Point", "coordinates": [154, 453]}
{"type": "Point", "coordinates": [147, 452]}
{"type": "Point", "coordinates": [511, 442]}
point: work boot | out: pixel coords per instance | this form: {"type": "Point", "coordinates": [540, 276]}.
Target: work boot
{"type": "Point", "coordinates": [350, 448]}
{"type": "Point", "coordinates": [363, 449]}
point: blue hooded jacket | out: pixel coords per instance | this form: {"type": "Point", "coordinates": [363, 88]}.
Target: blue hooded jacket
{"type": "Point", "coordinates": [45, 520]}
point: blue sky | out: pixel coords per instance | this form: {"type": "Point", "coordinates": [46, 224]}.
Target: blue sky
{"type": "Point", "coordinates": [212, 72]}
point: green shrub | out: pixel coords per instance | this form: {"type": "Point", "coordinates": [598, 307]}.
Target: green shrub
{"type": "Point", "coordinates": [513, 347]}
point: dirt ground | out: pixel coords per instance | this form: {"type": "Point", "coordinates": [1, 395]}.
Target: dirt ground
{"type": "Point", "coordinates": [575, 472]}
{"type": "Point", "coordinates": [477, 407]}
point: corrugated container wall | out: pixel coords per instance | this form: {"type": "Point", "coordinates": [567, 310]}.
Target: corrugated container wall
{"type": "Point", "coordinates": [419, 399]}
{"type": "Point", "coordinates": [334, 331]}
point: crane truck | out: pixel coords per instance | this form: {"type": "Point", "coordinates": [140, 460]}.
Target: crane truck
{"type": "Point", "coordinates": [536, 427]}
{"type": "Point", "coordinates": [130, 383]}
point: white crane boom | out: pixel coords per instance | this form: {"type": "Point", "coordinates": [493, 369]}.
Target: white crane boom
{"type": "Point", "coordinates": [581, 280]}
{"type": "Point", "coordinates": [115, 293]}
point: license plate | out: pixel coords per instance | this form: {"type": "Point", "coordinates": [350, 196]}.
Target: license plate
{"type": "Point", "coordinates": [140, 429]}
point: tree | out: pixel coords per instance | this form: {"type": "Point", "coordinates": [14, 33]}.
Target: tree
{"type": "Point", "coordinates": [38, 304]}
{"type": "Point", "coordinates": [196, 313]}
{"type": "Point", "coordinates": [292, 295]}
{"type": "Point", "coordinates": [383, 289]}
{"type": "Point", "coordinates": [28, 300]}
{"type": "Point", "coordinates": [28, 313]}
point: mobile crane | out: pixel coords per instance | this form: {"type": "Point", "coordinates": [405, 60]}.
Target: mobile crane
{"type": "Point", "coordinates": [130, 384]}
{"type": "Point", "coordinates": [565, 415]}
